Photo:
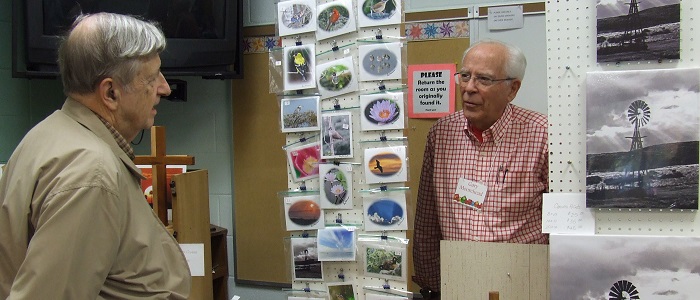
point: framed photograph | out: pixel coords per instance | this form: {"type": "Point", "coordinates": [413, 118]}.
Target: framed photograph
{"type": "Point", "coordinates": [385, 211]}
{"type": "Point", "coordinates": [303, 161]}
{"type": "Point", "coordinates": [296, 16]}
{"type": "Point", "coordinates": [341, 290]}
{"type": "Point", "coordinates": [336, 77]}
{"type": "Point", "coordinates": [385, 164]}
{"type": "Point", "coordinates": [384, 261]}
{"type": "Point", "coordinates": [147, 183]}
{"type": "Point", "coordinates": [299, 67]}
{"type": "Point", "coordinates": [305, 264]}
{"type": "Point", "coordinates": [300, 114]}
{"type": "Point", "coordinates": [337, 244]}
{"type": "Point", "coordinates": [335, 18]}
{"type": "Point", "coordinates": [303, 213]}
{"type": "Point", "coordinates": [610, 266]}
{"type": "Point", "coordinates": [382, 111]}
{"type": "Point", "coordinates": [649, 39]}
{"type": "Point", "coordinates": [641, 142]}
{"type": "Point", "coordinates": [378, 12]}
{"type": "Point", "coordinates": [336, 188]}
{"type": "Point", "coordinates": [336, 128]}
{"type": "Point", "coordinates": [380, 61]}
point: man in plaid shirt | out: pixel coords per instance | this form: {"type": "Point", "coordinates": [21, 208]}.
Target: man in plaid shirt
{"type": "Point", "coordinates": [492, 151]}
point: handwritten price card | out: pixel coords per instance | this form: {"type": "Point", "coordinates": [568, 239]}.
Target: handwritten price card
{"type": "Point", "coordinates": [566, 213]}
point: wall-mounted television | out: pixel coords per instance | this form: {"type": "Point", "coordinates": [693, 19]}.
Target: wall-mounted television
{"type": "Point", "coordinates": [204, 36]}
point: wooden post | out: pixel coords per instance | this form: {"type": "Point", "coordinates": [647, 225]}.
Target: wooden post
{"type": "Point", "coordinates": [158, 159]}
{"type": "Point", "coordinates": [493, 295]}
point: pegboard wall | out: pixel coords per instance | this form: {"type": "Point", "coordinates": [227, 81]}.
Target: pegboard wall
{"type": "Point", "coordinates": [571, 53]}
{"type": "Point", "coordinates": [352, 271]}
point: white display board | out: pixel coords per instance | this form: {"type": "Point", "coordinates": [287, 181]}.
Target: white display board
{"type": "Point", "coordinates": [571, 52]}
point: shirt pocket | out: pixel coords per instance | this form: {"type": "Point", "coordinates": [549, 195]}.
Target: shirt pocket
{"type": "Point", "coordinates": [515, 191]}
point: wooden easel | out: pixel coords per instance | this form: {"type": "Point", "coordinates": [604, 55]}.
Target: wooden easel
{"type": "Point", "coordinates": [159, 160]}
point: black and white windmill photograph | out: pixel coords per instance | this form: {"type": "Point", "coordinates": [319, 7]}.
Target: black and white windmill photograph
{"type": "Point", "coordinates": [305, 262]}
{"type": "Point", "coordinates": [642, 139]}
{"type": "Point", "coordinates": [638, 30]}
{"type": "Point", "coordinates": [616, 267]}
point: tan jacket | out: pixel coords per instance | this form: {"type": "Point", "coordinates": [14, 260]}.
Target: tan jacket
{"type": "Point", "coordinates": [74, 223]}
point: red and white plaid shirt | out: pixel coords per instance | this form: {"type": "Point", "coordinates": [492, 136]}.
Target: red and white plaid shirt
{"type": "Point", "coordinates": [512, 161]}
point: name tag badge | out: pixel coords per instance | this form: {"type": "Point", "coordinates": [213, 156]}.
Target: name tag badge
{"type": "Point", "coordinates": [470, 193]}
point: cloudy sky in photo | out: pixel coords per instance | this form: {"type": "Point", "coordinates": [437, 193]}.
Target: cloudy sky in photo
{"type": "Point", "coordinates": [613, 8]}
{"type": "Point", "coordinates": [673, 96]}
{"type": "Point", "coordinates": [662, 268]}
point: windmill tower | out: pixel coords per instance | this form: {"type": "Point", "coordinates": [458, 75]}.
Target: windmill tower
{"type": "Point", "coordinates": [633, 29]}
{"type": "Point", "coordinates": [638, 113]}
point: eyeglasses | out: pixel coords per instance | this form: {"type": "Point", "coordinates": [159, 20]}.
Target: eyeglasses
{"type": "Point", "coordinates": [481, 80]}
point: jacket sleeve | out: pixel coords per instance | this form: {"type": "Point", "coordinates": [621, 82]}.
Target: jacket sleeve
{"type": "Point", "coordinates": [76, 239]}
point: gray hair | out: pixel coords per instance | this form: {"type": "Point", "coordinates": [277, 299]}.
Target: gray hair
{"type": "Point", "coordinates": [515, 62]}
{"type": "Point", "coordinates": [106, 45]}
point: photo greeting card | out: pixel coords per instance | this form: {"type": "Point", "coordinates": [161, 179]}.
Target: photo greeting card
{"type": "Point", "coordinates": [335, 18]}
{"type": "Point", "coordinates": [336, 128]}
{"type": "Point", "coordinates": [378, 12]}
{"type": "Point", "coordinates": [336, 188]}
{"type": "Point", "coordinates": [384, 261]}
{"type": "Point", "coordinates": [376, 296]}
{"type": "Point", "coordinates": [341, 290]}
{"type": "Point", "coordinates": [305, 264]}
{"type": "Point", "coordinates": [380, 61]}
{"type": "Point", "coordinates": [337, 244]}
{"type": "Point", "coordinates": [303, 160]}
{"type": "Point", "coordinates": [303, 213]}
{"type": "Point", "coordinates": [300, 114]}
{"type": "Point", "coordinates": [382, 111]}
{"type": "Point", "coordinates": [336, 77]}
{"type": "Point", "coordinates": [299, 67]}
{"type": "Point", "coordinates": [385, 164]}
{"type": "Point", "coordinates": [385, 211]}
{"type": "Point", "coordinates": [296, 16]}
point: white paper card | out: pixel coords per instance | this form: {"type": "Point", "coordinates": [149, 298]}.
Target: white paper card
{"type": "Point", "coordinates": [505, 17]}
{"type": "Point", "coordinates": [566, 213]}
{"type": "Point", "coordinates": [194, 253]}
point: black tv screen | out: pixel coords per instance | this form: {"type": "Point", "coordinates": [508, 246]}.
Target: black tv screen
{"type": "Point", "coordinates": [204, 36]}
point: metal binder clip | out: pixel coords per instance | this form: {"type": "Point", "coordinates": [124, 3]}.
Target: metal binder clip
{"type": "Point", "coordinates": [335, 46]}
{"type": "Point", "coordinates": [382, 136]}
{"type": "Point", "coordinates": [341, 275]}
{"type": "Point", "coordinates": [383, 188]}
{"type": "Point", "coordinates": [302, 186]}
{"type": "Point", "coordinates": [381, 85]}
{"type": "Point", "coordinates": [336, 104]}
{"type": "Point", "coordinates": [304, 234]}
{"type": "Point", "coordinates": [298, 41]}
{"type": "Point", "coordinates": [379, 34]}
{"type": "Point", "coordinates": [339, 219]}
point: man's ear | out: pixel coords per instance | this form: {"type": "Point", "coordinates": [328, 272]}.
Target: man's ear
{"type": "Point", "coordinates": [108, 93]}
{"type": "Point", "coordinates": [514, 87]}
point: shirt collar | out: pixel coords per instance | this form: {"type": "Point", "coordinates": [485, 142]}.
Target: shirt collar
{"type": "Point", "coordinates": [497, 130]}
{"type": "Point", "coordinates": [121, 141]}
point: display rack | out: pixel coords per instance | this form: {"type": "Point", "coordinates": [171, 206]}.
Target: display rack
{"type": "Point", "coordinates": [349, 271]}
